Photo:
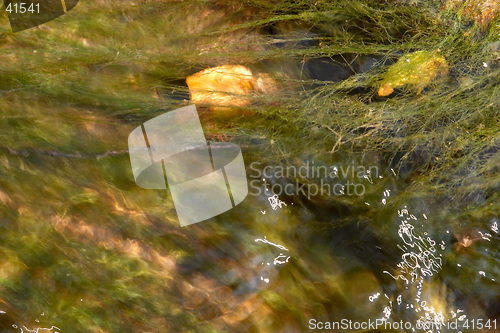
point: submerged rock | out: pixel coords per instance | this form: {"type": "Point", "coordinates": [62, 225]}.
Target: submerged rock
{"type": "Point", "coordinates": [228, 86]}
{"type": "Point", "coordinates": [481, 11]}
{"type": "Point", "coordinates": [416, 70]}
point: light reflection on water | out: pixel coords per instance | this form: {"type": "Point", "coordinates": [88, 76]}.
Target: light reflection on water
{"type": "Point", "coordinates": [22, 328]}
{"type": "Point", "coordinates": [289, 260]}
{"type": "Point", "coordinates": [40, 329]}
{"type": "Point", "coordinates": [280, 259]}
{"type": "Point", "coordinates": [421, 260]}
{"type": "Point", "coordinates": [421, 296]}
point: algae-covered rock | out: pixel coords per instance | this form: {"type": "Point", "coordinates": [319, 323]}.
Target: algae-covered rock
{"type": "Point", "coordinates": [481, 11]}
{"type": "Point", "coordinates": [416, 70]}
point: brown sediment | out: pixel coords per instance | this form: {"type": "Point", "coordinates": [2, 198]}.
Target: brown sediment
{"type": "Point", "coordinates": [86, 233]}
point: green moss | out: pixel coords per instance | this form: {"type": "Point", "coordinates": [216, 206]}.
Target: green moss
{"type": "Point", "coordinates": [416, 70]}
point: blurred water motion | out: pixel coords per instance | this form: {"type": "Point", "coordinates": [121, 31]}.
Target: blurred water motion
{"type": "Point", "coordinates": [84, 249]}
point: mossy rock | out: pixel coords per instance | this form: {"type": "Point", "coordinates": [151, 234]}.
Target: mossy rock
{"type": "Point", "coordinates": [416, 70]}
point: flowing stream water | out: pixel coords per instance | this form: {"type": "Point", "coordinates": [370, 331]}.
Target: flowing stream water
{"type": "Point", "coordinates": [335, 239]}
